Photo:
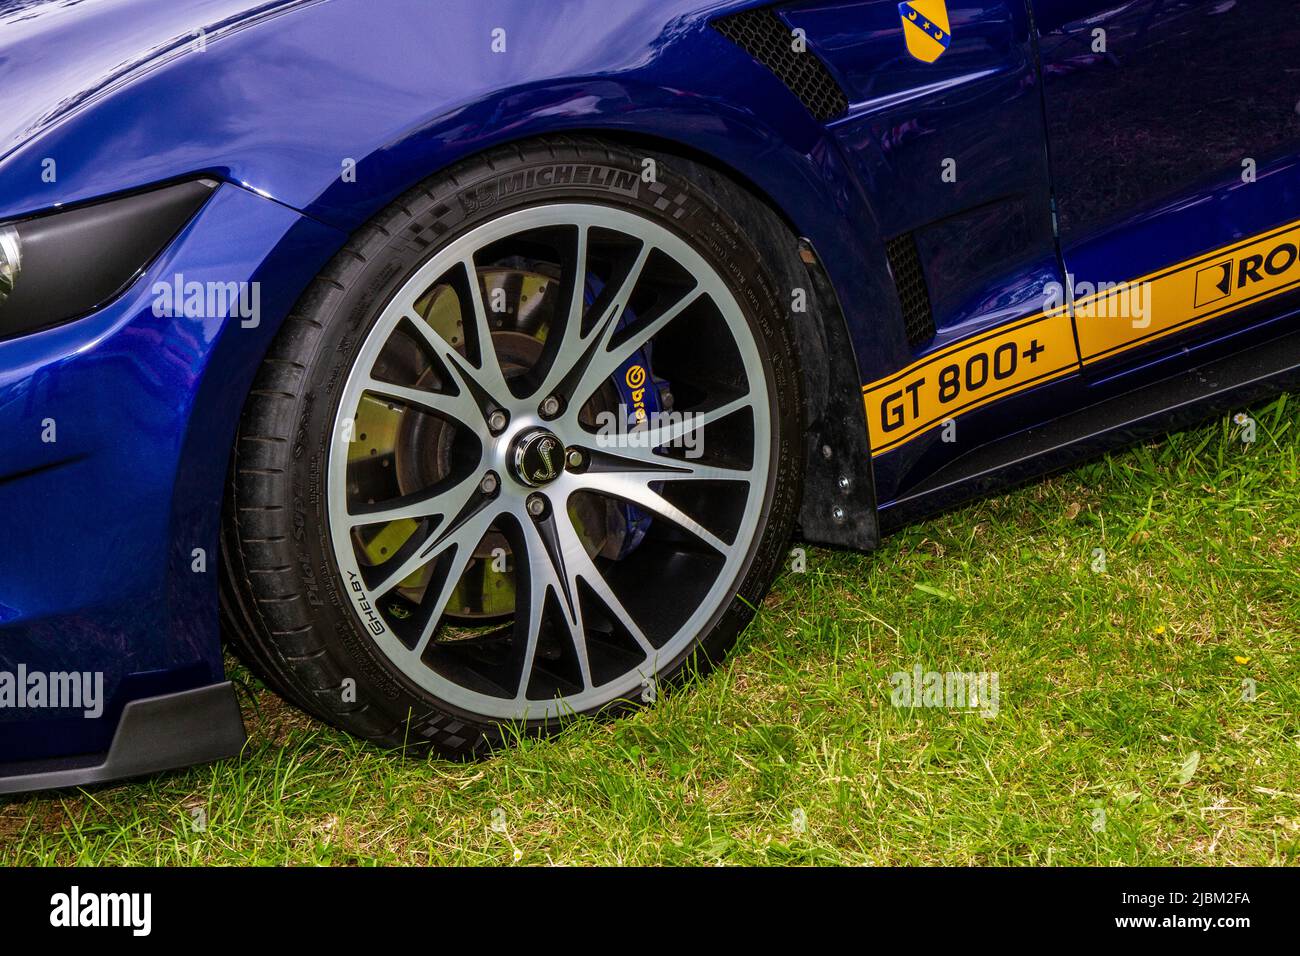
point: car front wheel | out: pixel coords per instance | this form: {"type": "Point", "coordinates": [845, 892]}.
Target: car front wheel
{"type": "Point", "coordinates": [527, 448]}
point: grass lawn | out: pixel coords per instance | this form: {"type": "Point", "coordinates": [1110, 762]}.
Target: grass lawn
{"type": "Point", "coordinates": [1124, 731]}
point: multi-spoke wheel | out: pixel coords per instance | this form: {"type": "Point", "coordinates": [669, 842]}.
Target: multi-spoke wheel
{"type": "Point", "coordinates": [532, 445]}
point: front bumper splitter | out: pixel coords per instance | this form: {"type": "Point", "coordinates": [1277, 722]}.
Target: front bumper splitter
{"type": "Point", "coordinates": [154, 734]}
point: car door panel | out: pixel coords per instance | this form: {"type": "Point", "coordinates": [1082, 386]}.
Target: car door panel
{"type": "Point", "coordinates": [1173, 133]}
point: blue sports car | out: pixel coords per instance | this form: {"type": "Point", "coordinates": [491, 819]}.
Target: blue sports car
{"type": "Point", "coordinates": [471, 364]}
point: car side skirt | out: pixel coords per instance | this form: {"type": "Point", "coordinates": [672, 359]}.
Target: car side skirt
{"type": "Point", "coordinates": [1177, 401]}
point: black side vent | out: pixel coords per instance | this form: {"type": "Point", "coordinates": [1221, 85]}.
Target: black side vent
{"type": "Point", "coordinates": [763, 35]}
{"type": "Point", "coordinates": [913, 296]}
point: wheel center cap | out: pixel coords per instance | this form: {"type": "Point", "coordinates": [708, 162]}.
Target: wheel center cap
{"type": "Point", "coordinates": [538, 457]}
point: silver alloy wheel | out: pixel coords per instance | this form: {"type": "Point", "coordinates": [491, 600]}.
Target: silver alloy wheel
{"type": "Point", "coordinates": [542, 453]}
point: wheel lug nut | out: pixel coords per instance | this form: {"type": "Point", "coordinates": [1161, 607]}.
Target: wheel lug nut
{"type": "Point", "coordinates": [536, 505]}
{"type": "Point", "coordinates": [490, 483]}
{"type": "Point", "coordinates": [550, 407]}
{"type": "Point", "coordinates": [574, 458]}
{"type": "Point", "coordinates": [498, 420]}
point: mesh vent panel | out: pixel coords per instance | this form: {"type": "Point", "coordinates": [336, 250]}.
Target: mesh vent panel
{"type": "Point", "coordinates": [763, 35]}
{"type": "Point", "coordinates": [905, 264]}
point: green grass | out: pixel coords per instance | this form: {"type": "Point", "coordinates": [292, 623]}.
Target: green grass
{"type": "Point", "coordinates": [1109, 683]}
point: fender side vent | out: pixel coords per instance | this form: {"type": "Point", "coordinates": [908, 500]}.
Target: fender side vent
{"type": "Point", "coordinates": [913, 296]}
{"type": "Point", "coordinates": [763, 35]}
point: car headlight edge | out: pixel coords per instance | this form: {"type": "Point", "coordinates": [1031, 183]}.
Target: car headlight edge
{"type": "Point", "coordinates": [63, 265]}
{"type": "Point", "coordinates": [11, 260]}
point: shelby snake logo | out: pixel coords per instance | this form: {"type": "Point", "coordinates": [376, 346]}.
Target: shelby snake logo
{"type": "Point", "coordinates": [546, 449]}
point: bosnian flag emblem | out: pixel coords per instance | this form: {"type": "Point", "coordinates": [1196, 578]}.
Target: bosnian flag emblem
{"type": "Point", "coordinates": [925, 28]}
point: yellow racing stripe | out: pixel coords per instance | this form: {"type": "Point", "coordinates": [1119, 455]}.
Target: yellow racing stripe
{"type": "Point", "coordinates": [1104, 321]}
{"type": "Point", "coordinates": [967, 375]}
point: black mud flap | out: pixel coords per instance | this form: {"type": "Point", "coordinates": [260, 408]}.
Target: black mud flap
{"type": "Point", "coordinates": [839, 493]}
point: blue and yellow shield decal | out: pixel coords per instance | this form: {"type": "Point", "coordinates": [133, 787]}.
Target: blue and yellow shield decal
{"type": "Point", "coordinates": [925, 27]}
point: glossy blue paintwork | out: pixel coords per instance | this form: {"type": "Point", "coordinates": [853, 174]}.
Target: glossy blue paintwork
{"type": "Point", "coordinates": [276, 98]}
{"type": "Point", "coordinates": [1147, 158]}
{"type": "Point", "coordinates": [986, 229]}
{"type": "Point", "coordinates": [280, 105]}
{"type": "Point", "coordinates": [408, 94]}
{"type": "Point", "coordinates": [98, 572]}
